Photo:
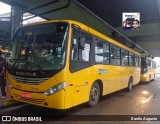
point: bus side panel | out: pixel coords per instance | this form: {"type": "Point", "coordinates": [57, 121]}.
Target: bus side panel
{"type": "Point", "coordinates": [145, 77]}
{"type": "Point", "coordinates": [153, 73]}
{"type": "Point", "coordinates": [81, 81]}
{"type": "Point", "coordinates": [120, 80]}
{"type": "Point", "coordinates": [115, 77]}
{"type": "Point", "coordinates": [126, 76]}
{"type": "Point", "coordinates": [136, 75]}
{"type": "Point", "coordinates": [106, 74]}
{"type": "Point", "coordinates": [150, 75]}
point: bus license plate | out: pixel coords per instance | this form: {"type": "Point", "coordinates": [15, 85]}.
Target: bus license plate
{"type": "Point", "coordinates": [26, 95]}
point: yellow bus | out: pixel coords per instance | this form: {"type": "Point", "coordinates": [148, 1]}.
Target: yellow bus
{"type": "Point", "coordinates": [67, 63]}
{"type": "Point", "coordinates": [148, 69]}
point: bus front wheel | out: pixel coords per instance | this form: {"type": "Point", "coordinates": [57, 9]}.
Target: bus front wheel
{"type": "Point", "coordinates": [94, 94]}
{"type": "Point", "coordinates": [130, 84]}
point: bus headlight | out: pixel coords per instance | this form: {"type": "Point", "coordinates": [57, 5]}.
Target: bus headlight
{"type": "Point", "coordinates": [55, 89]}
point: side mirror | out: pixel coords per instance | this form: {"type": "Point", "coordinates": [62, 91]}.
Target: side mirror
{"type": "Point", "coordinates": [81, 43]}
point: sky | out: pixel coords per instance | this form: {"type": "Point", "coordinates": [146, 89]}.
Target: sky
{"type": "Point", "coordinates": [4, 8]}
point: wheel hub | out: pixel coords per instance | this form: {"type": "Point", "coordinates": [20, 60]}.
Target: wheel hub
{"type": "Point", "coordinates": [94, 93]}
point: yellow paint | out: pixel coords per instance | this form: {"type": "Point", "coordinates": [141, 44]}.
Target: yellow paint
{"type": "Point", "coordinates": [117, 78]}
{"type": "Point", "coordinates": [150, 74]}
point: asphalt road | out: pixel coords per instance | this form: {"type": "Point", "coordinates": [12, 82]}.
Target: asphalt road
{"type": "Point", "coordinates": [142, 101]}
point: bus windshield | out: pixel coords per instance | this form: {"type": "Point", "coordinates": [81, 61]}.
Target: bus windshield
{"type": "Point", "coordinates": [39, 47]}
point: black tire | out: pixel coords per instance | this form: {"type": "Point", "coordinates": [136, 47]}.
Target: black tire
{"type": "Point", "coordinates": [94, 94]}
{"type": "Point", "coordinates": [130, 84]}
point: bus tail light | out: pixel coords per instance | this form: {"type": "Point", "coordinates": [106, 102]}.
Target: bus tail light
{"type": "Point", "coordinates": [55, 89]}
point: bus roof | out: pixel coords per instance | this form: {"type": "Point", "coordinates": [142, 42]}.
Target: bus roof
{"type": "Point", "coordinates": [90, 30]}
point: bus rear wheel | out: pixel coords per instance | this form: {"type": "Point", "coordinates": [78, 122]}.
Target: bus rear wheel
{"type": "Point", "coordinates": [94, 94]}
{"type": "Point", "coordinates": [130, 84]}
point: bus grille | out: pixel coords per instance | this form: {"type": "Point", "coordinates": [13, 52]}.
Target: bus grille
{"type": "Point", "coordinates": [29, 80]}
{"type": "Point", "coordinates": [29, 100]}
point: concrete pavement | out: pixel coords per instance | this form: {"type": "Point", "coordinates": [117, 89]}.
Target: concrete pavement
{"type": "Point", "coordinates": [6, 102]}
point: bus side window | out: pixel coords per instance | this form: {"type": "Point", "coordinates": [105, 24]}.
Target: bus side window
{"type": "Point", "coordinates": [101, 52]}
{"type": "Point", "coordinates": [106, 53]}
{"type": "Point", "coordinates": [139, 61]}
{"type": "Point", "coordinates": [131, 59]}
{"type": "Point", "coordinates": [74, 53]}
{"type": "Point", "coordinates": [77, 52]}
{"type": "Point", "coordinates": [136, 61]}
{"type": "Point", "coordinates": [124, 57]}
{"type": "Point", "coordinates": [115, 55]}
{"type": "Point", "coordinates": [148, 64]}
{"type": "Point", "coordinates": [85, 53]}
{"type": "Point", "coordinates": [74, 50]}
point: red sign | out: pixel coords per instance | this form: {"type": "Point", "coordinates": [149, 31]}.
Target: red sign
{"type": "Point", "coordinates": [26, 95]}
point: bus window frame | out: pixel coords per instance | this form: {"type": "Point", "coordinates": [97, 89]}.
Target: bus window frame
{"type": "Point", "coordinates": [135, 60]}
{"type": "Point", "coordinates": [92, 56]}
{"type": "Point", "coordinates": [100, 40]}
{"type": "Point", "coordinates": [127, 57]}
{"type": "Point", "coordinates": [113, 45]}
{"type": "Point", "coordinates": [76, 65]}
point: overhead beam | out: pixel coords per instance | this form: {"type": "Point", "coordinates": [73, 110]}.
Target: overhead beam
{"type": "Point", "coordinates": [145, 29]}
{"type": "Point", "coordinates": [34, 8]}
{"type": "Point", "coordinates": [43, 5]}
{"type": "Point", "coordinates": [11, 3]}
{"type": "Point", "coordinates": [51, 11]}
{"type": "Point", "coordinates": [76, 11]}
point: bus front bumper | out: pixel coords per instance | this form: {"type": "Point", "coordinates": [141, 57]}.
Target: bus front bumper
{"type": "Point", "coordinates": [144, 78]}
{"type": "Point", "coordinates": [55, 101]}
